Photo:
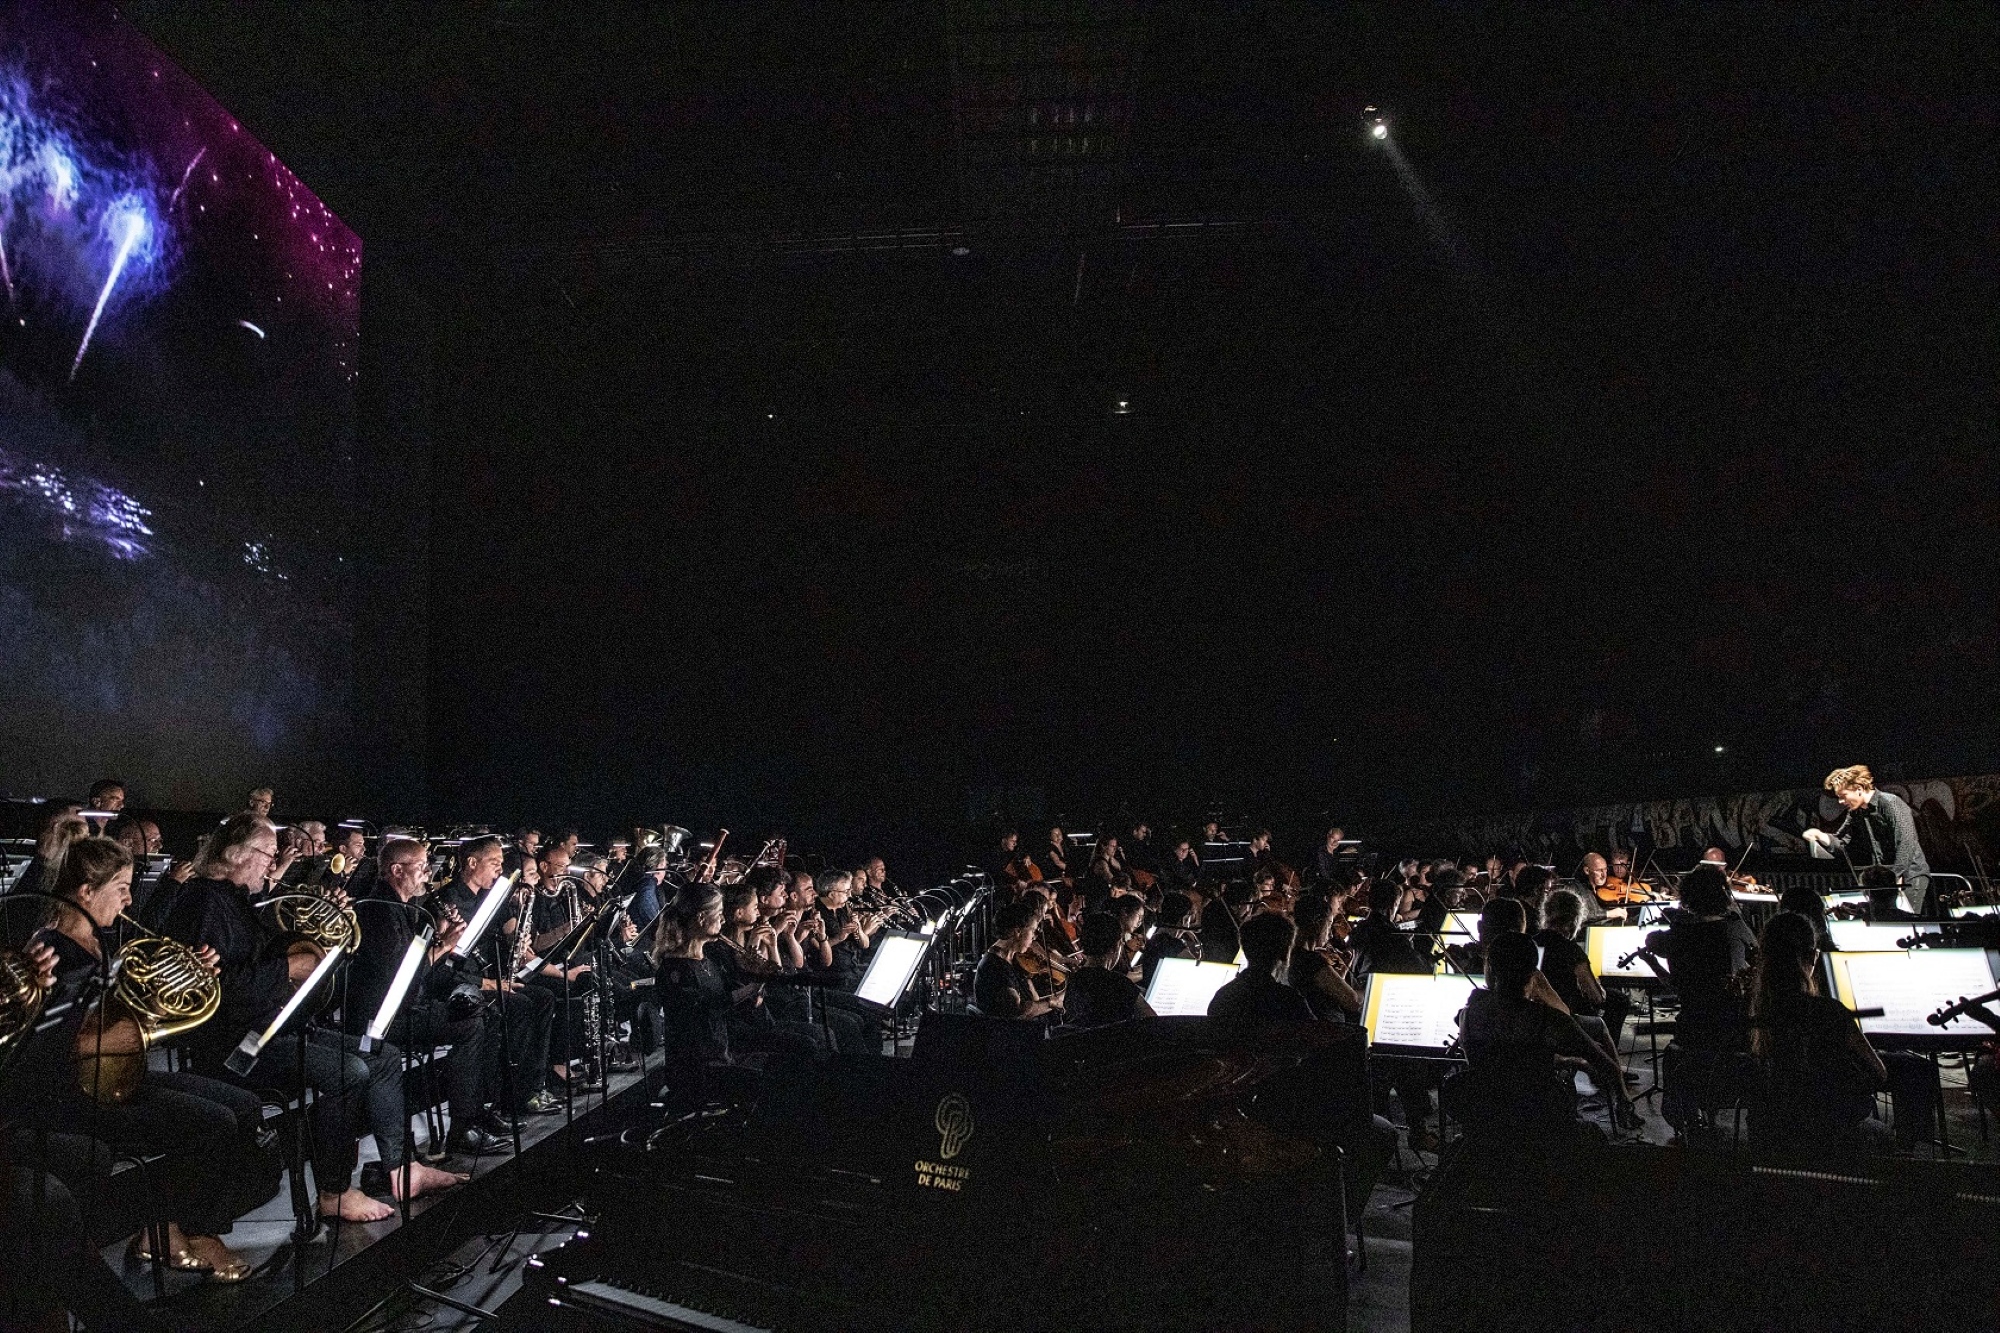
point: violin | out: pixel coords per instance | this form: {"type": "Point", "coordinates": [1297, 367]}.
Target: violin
{"type": "Point", "coordinates": [1617, 892]}
{"type": "Point", "coordinates": [1961, 1006]}
{"type": "Point", "coordinates": [1043, 968]}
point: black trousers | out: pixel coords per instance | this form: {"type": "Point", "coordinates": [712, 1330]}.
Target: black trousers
{"type": "Point", "coordinates": [524, 1014]}
{"type": "Point", "coordinates": [472, 1074]}
{"type": "Point", "coordinates": [204, 1131]}
{"type": "Point", "coordinates": [566, 1018]}
{"type": "Point", "coordinates": [354, 1094]}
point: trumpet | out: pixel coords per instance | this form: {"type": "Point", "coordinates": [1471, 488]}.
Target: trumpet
{"type": "Point", "coordinates": [162, 989]}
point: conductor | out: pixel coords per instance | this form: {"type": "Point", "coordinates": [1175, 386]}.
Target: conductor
{"type": "Point", "coordinates": [1879, 829]}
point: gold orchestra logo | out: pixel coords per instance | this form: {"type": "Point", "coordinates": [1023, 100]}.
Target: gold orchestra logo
{"type": "Point", "coordinates": [954, 1124]}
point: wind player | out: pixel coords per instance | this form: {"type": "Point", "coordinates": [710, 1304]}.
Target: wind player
{"type": "Point", "coordinates": [1879, 829]}
{"type": "Point", "coordinates": [357, 1093]}
{"type": "Point", "coordinates": [525, 1012]}
{"type": "Point", "coordinates": [425, 1022]}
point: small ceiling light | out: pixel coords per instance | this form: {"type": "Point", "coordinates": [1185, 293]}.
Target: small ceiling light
{"type": "Point", "coordinates": [1718, 749]}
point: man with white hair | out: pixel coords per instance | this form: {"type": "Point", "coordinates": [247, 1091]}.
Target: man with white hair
{"type": "Point", "coordinates": [259, 970]}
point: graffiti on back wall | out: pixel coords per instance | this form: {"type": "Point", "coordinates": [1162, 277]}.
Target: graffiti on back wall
{"type": "Point", "coordinates": [1958, 820]}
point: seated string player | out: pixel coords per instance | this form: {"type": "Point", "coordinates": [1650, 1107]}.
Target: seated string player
{"type": "Point", "coordinates": [1821, 1074]}
{"type": "Point", "coordinates": [1000, 987]}
{"type": "Point", "coordinates": [1516, 1036]}
{"type": "Point", "coordinates": [1599, 1012]}
{"type": "Point", "coordinates": [1707, 950]}
{"type": "Point", "coordinates": [1257, 996]}
{"type": "Point", "coordinates": [1174, 937]}
{"type": "Point", "coordinates": [1101, 991]}
{"type": "Point", "coordinates": [1318, 968]}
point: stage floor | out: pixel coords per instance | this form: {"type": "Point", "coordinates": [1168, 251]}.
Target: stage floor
{"type": "Point", "coordinates": [342, 1264]}
{"type": "Point", "coordinates": [463, 1243]}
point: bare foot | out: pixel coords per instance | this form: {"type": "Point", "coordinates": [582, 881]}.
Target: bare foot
{"type": "Point", "coordinates": [424, 1179]}
{"type": "Point", "coordinates": [224, 1264]}
{"type": "Point", "coordinates": [353, 1206]}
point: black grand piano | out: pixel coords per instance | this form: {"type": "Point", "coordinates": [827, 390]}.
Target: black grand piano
{"type": "Point", "coordinates": [1152, 1175]}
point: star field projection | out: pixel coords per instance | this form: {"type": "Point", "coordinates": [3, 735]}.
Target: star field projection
{"type": "Point", "coordinates": [118, 174]}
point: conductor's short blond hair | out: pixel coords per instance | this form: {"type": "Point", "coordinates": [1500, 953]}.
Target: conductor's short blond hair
{"type": "Point", "coordinates": [1855, 777]}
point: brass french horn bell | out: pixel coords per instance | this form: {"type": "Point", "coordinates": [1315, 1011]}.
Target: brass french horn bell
{"type": "Point", "coordinates": [163, 989]}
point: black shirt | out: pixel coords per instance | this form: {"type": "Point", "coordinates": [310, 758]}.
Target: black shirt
{"type": "Point", "coordinates": [1702, 957]}
{"type": "Point", "coordinates": [1380, 947]}
{"type": "Point", "coordinates": [460, 895]}
{"type": "Point", "coordinates": [1560, 957]}
{"type": "Point", "coordinates": [256, 975]}
{"type": "Point", "coordinates": [1818, 1084]}
{"type": "Point", "coordinates": [694, 999]}
{"type": "Point", "coordinates": [386, 933]}
{"type": "Point", "coordinates": [1000, 987]}
{"type": "Point", "coordinates": [1096, 996]}
{"type": "Point", "coordinates": [1255, 998]}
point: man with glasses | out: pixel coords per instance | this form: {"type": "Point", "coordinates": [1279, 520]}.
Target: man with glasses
{"type": "Point", "coordinates": [425, 1020]}
{"type": "Point", "coordinates": [260, 969]}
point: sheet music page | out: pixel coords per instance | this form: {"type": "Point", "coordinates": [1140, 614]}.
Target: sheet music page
{"type": "Point", "coordinates": [1607, 944]}
{"type": "Point", "coordinates": [1909, 987]}
{"type": "Point", "coordinates": [1173, 980]}
{"type": "Point", "coordinates": [1420, 1012]}
{"type": "Point", "coordinates": [896, 957]}
{"type": "Point", "coordinates": [1182, 987]}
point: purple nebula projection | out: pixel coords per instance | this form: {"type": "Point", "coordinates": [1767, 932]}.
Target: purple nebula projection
{"type": "Point", "coordinates": [179, 329]}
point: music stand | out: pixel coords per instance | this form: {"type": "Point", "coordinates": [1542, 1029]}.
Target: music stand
{"type": "Point", "coordinates": [898, 956]}
{"type": "Point", "coordinates": [1414, 1013]}
{"type": "Point", "coordinates": [1183, 988]}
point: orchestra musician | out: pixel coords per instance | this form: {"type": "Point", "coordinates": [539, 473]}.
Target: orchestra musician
{"type": "Point", "coordinates": [526, 1012]}
{"type": "Point", "coordinates": [1107, 872]}
{"type": "Point", "coordinates": [357, 1093]}
{"type": "Point", "coordinates": [425, 1021]}
{"type": "Point", "coordinates": [1101, 989]}
{"type": "Point", "coordinates": [1174, 937]}
{"type": "Point", "coordinates": [1000, 988]}
{"type": "Point", "coordinates": [1181, 868]}
{"type": "Point", "coordinates": [1053, 858]}
{"type": "Point", "coordinates": [1011, 868]}
{"type": "Point", "coordinates": [204, 1131]}
{"type": "Point", "coordinates": [1878, 829]}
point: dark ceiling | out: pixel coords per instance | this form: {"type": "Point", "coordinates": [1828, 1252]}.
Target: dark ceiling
{"type": "Point", "coordinates": [780, 347]}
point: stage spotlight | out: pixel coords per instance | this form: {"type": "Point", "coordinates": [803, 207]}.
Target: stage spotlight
{"type": "Point", "coordinates": [1381, 131]}
{"type": "Point", "coordinates": [1377, 124]}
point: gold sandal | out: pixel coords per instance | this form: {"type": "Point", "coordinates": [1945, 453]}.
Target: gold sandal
{"type": "Point", "coordinates": [227, 1267]}
{"type": "Point", "coordinates": [180, 1259]}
